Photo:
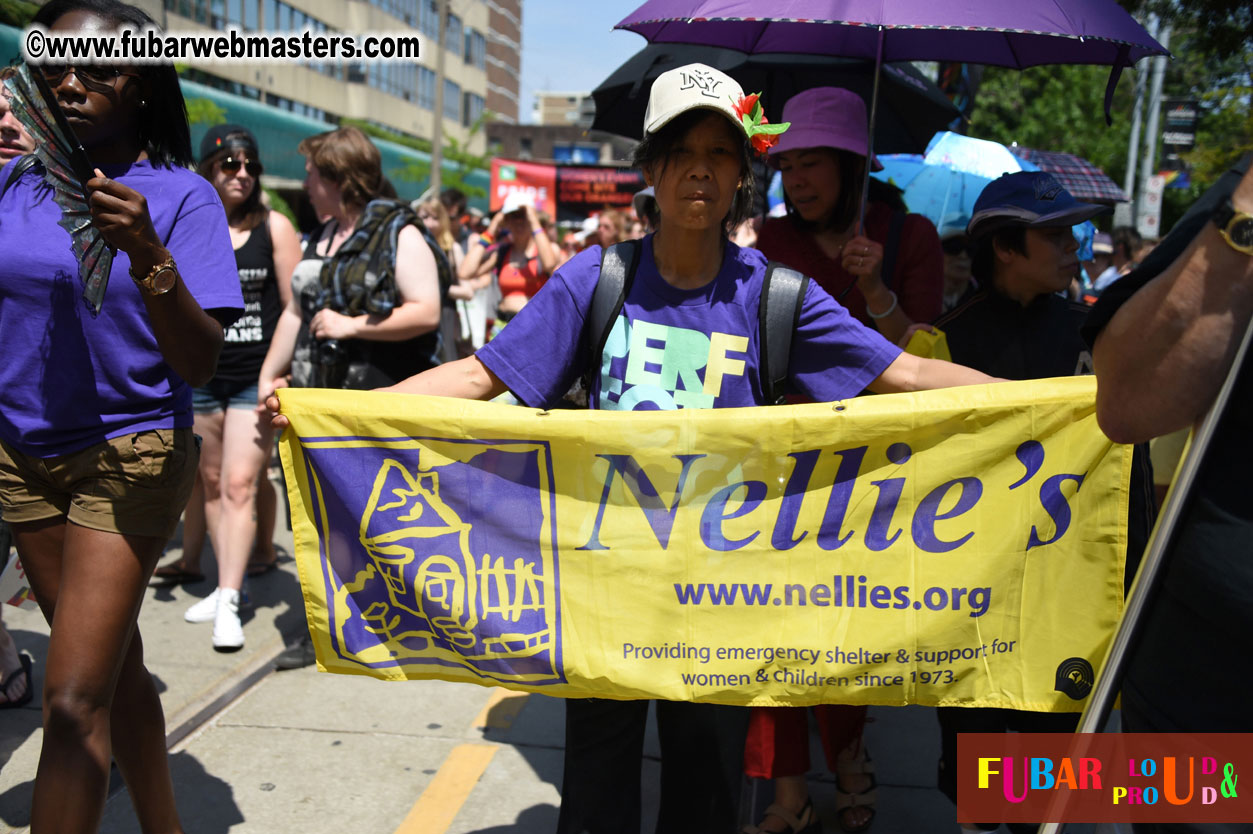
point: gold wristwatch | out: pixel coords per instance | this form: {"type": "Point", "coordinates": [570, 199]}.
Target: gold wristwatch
{"type": "Point", "coordinates": [160, 278]}
{"type": "Point", "coordinates": [1236, 227]}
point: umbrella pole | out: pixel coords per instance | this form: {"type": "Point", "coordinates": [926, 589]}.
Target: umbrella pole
{"type": "Point", "coordinates": [1148, 578]}
{"type": "Point", "coordinates": [874, 105]}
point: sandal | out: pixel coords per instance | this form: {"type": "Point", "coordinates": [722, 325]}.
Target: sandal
{"type": "Point", "coordinates": [846, 801]}
{"type": "Point", "coordinates": [806, 822]}
{"type": "Point", "coordinates": [15, 675]}
{"type": "Point", "coordinates": [174, 574]}
{"type": "Point", "coordinates": [256, 569]}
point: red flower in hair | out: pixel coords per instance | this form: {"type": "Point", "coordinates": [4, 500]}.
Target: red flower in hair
{"type": "Point", "coordinates": [746, 105]}
{"type": "Point", "coordinates": [761, 134]}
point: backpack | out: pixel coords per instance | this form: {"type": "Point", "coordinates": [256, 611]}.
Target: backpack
{"type": "Point", "coordinates": [361, 276]}
{"type": "Point", "coordinates": [778, 311]}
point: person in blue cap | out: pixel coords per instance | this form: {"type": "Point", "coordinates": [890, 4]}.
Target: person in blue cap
{"type": "Point", "coordinates": [1021, 325]}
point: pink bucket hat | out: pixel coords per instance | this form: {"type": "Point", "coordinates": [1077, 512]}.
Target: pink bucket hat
{"type": "Point", "coordinates": [825, 117]}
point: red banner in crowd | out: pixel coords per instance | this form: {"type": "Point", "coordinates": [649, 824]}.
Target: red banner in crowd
{"type": "Point", "coordinates": [566, 192]}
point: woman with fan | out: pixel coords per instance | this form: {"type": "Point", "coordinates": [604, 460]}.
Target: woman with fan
{"type": "Point", "coordinates": [97, 455]}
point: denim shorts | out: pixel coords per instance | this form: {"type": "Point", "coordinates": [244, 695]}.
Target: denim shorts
{"type": "Point", "coordinates": [220, 395]}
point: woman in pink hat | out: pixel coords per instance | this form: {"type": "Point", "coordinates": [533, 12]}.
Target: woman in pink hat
{"type": "Point", "coordinates": [889, 274]}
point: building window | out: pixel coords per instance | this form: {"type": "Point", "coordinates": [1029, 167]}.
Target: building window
{"type": "Point", "coordinates": [453, 36]}
{"type": "Point", "coordinates": [476, 49]}
{"type": "Point", "coordinates": [250, 14]}
{"type": "Point", "coordinates": [471, 109]}
{"type": "Point", "coordinates": [524, 147]}
{"type": "Point", "coordinates": [452, 100]}
{"type": "Point", "coordinates": [426, 88]}
{"type": "Point", "coordinates": [428, 18]}
{"type": "Point", "coordinates": [234, 12]}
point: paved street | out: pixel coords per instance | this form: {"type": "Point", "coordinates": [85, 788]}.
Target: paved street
{"type": "Point", "coordinates": [257, 752]}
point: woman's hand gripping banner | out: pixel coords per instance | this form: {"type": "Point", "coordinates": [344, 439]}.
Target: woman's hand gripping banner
{"type": "Point", "coordinates": [954, 547]}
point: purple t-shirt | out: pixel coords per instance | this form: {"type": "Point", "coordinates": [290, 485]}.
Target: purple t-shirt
{"type": "Point", "coordinates": [673, 348]}
{"type": "Point", "coordinates": [67, 380]}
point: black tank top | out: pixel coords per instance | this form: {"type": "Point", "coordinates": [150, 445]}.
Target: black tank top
{"type": "Point", "coordinates": [248, 339]}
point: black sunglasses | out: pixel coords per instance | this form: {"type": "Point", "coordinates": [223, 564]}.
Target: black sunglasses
{"type": "Point", "coordinates": [231, 165]}
{"type": "Point", "coordinates": [955, 245]}
{"type": "Point", "coordinates": [99, 75]}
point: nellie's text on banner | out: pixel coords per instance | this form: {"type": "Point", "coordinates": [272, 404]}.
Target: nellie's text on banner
{"type": "Point", "coordinates": [959, 547]}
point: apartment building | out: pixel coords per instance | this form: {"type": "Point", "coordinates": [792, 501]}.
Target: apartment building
{"type": "Point", "coordinates": [480, 61]}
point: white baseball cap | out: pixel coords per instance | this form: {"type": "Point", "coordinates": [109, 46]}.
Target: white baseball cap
{"type": "Point", "coordinates": [515, 200]}
{"type": "Point", "coordinates": [688, 87]}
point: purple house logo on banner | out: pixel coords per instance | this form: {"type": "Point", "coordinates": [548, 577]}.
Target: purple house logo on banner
{"type": "Point", "coordinates": [413, 577]}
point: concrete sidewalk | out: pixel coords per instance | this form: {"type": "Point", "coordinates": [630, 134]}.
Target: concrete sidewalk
{"type": "Point", "coordinates": [193, 679]}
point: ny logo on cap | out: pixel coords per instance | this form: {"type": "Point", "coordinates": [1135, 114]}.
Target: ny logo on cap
{"type": "Point", "coordinates": [706, 82]}
{"type": "Point", "coordinates": [1047, 188]}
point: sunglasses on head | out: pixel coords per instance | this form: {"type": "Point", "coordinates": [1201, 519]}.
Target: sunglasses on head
{"type": "Point", "coordinates": [955, 245]}
{"type": "Point", "coordinates": [231, 165]}
{"type": "Point", "coordinates": [99, 75]}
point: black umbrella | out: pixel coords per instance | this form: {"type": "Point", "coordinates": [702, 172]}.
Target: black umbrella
{"type": "Point", "coordinates": [911, 108]}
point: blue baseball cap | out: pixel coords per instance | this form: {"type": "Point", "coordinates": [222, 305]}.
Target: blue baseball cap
{"type": "Point", "coordinates": [1028, 198]}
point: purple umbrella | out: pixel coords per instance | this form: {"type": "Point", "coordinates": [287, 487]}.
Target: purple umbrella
{"type": "Point", "coordinates": [1007, 34]}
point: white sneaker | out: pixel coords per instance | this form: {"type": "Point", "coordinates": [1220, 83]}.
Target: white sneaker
{"type": "Point", "coordinates": [203, 611]}
{"type": "Point", "coordinates": [228, 633]}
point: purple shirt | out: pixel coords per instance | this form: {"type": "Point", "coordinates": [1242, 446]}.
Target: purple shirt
{"type": "Point", "coordinates": [68, 380]}
{"type": "Point", "coordinates": [673, 348]}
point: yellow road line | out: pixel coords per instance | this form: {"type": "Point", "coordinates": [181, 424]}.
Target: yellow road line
{"type": "Point", "coordinates": [438, 805]}
{"type": "Point", "coordinates": [500, 710]}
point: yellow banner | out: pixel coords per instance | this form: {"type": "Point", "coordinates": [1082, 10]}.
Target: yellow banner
{"type": "Point", "coordinates": [956, 547]}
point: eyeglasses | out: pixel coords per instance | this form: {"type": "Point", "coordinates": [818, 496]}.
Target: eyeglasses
{"type": "Point", "coordinates": [231, 165]}
{"type": "Point", "coordinates": [955, 246]}
{"type": "Point", "coordinates": [93, 75]}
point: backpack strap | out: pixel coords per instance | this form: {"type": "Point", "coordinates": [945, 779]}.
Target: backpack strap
{"type": "Point", "coordinates": [20, 167]}
{"type": "Point", "coordinates": [617, 269]}
{"type": "Point", "coordinates": [891, 247]}
{"type": "Point", "coordinates": [778, 312]}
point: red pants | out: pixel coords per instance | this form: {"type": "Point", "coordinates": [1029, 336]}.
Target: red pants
{"type": "Point", "coordinates": [778, 738]}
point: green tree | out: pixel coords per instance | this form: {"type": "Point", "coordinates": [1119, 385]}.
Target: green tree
{"type": "Point", "coordinates": [17, 12]}
{"type": "Point", "coordinates": [205, 111]}
{"type": "Point", "coordinates": [1057, 108]}
{"type": "Point", "coordinates": [1061, 108]}
{"type": "Point", "coordinates": [455, 151]}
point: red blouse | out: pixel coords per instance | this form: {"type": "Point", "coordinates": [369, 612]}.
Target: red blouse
{"type": "Point", "coordinates": [919, 274]}
{"type": "Point", "coordinates": [520, 280]}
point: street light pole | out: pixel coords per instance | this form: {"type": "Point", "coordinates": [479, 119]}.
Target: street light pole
{"type": "Point", "coordinates": [437, 133]}
{"type": "Point", "coordinates": [1125, 213]}
{"type": "Point", "coordinates": [1147, 169]}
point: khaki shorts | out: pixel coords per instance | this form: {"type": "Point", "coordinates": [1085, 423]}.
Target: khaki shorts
{"type": "Point", "coordinates": [136, 484]}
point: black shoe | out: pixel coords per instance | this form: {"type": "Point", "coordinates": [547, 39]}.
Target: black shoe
{"type": "Point", "coordinates": [296, 656]}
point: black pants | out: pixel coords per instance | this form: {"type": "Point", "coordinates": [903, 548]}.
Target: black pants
{"type": "Point", "coordinates": [702, 752]}
{"type": "Point", "coordinates": [954, 720]}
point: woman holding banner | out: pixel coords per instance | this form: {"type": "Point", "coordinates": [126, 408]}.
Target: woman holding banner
{"type": "Point", "coordinates": [691, 282]}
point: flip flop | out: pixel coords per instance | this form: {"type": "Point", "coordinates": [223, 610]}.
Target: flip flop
{"type": "Point", "coordinates": [25, 697]}
{"type": "Point", "coordinates": [172, 574]}
{"type": "Point", "coordinates": [261, 568]}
